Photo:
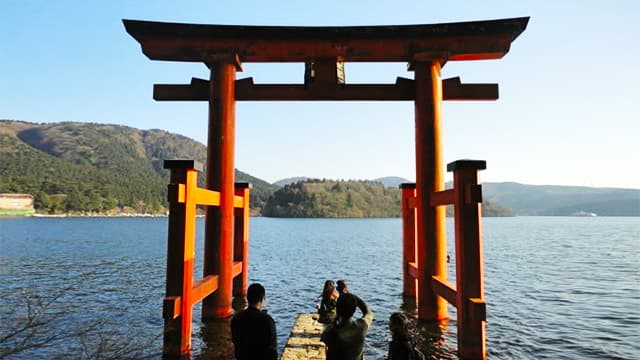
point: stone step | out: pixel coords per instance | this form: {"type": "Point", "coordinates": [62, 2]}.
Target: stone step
{"type": "Point", "coordinates": [304, 340]}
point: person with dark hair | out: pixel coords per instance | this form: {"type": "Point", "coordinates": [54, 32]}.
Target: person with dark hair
{"type": "Point", "coordinates": [327, 308]}
{"type": "Point", "coordinates": [253, 331]}
{"type": "Point", "coordinates": [400, 347]}
{"type": "Point", "coordinates": [344, 338]}
{"type": "Point", "coordinates": [342, 286]}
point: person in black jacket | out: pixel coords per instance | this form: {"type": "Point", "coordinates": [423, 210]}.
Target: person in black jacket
{"type": "Point", "coordinates": [344, 338]}
{"type": "Point", "coordinates": [253, 331]}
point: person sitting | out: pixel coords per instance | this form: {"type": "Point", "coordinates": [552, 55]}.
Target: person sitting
{"type": "Point", "coordinates": [400, 347]}
{"type": "Point", "coordinates": [253, 331]}
{"type": "Point", "coordinates": [344, 338]}
{"type": "Point", "coordinates": [341, 286]}
{"type": "Point", "coordinates": [327, 308]}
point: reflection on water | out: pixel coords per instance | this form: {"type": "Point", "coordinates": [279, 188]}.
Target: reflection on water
{"type": "Point", "coordinates": [430, 340]}
{"type": "Point", "coordinates": [428, 337]}
{"type": "Point", "coordinates": [216, 340]}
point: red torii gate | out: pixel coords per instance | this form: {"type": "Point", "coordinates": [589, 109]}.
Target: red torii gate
{"type": "Point", "coordinates": [324, 50]}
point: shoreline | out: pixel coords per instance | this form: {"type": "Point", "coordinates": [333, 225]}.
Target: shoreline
{"type": "Point", "coordinates": [166, 215]}
{"type": "Point", "coordinates": [98, 215]}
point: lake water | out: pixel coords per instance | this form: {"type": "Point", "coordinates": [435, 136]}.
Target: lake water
{"type": "Point", "coordinates": [556, 287]}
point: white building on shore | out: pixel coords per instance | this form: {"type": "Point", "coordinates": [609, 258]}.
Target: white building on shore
{"type": "Point", "coordinates": [16, 204]}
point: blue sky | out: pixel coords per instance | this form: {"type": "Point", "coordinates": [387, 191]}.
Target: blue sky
{"type": "Point", "coordinates": [567, 113]}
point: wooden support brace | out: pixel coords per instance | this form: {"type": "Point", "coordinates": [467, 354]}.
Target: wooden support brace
{"type": "Point", "coordinates": [207, 197]}
{"type": "Point", "coordinates": [444, 288]}
{"type": "Point", "coordinates": [176, 193]}
{"type": "Point", "coordinates": [171, 307]}
{"type": "Point", "coordinates": [238, 201]}
{"type": "Point", "coordinates": [442, 197]}
{"type": "Point", "coordinates": [237, 268]}
{"type": "Point", "coordinates": [203, 288]}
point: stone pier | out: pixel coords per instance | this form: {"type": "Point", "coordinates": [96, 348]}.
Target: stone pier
{"type": "Point", "coordinates": [304, 340]}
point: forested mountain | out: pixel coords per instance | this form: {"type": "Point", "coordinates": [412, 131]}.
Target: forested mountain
{"type": "Point", "coordinates": [334, 199]}
{"type": "Point", "coordinates": [388, 181]}
{"type": "Point", "coordinates": [339, 199]}
{"type": "Point", "coordinates": [82, 167]}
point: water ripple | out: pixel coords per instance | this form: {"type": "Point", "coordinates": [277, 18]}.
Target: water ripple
{"type": "Point", "coordinates": [556, 288]}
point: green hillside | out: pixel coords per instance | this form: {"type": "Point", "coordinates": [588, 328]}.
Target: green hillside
{"type": "Point", "coordinates": [81, 167]}
{"type": "Point", "coordinates": [334, 199]}
{"type": "Point", "coordinates": [315, 198]}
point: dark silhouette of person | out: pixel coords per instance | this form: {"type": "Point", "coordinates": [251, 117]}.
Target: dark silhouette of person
{"type": "Point", "coordinates": [400, 347]}
{"type": "Point", "coordinates": [342, 286]}
{"type": "Point", "coordinates": [253, 331]}
{"type": "Point", "coordinates": [344, 338]}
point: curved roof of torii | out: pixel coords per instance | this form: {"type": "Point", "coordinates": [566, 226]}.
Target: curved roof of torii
{"type": "Point", "coordinates": [472, 40]}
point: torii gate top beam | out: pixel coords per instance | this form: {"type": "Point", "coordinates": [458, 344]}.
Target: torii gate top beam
{"type": "Point", "coordinates": [475, 40]}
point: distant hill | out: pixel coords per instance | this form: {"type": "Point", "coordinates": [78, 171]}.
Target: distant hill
{"type": "Point", "coordinates": [563, 200]}
{"type": "Point", "coordinates": [388, 181]}
{"type": "Point", "coordinates": [334, 199]}
{"type": "Point", "coordinates": [288, 181]}
{"type": "Point", "coordinates": [82, 167]}
{"type": "Point", "coordinates": [391, 181]}
{"type": "Point", "coordinates": [313, 198]}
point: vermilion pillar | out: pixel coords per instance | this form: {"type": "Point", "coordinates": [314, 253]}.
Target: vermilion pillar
{"type": "Point", "coordinates": [218, 244]}
{"type": "Point", "coordinates": [432, 241]}
{"type": "Point", "coordinates": [469, 263]}
{"type": "Point", "coordinates": [408, 239]}
{"type": "Point", "coordinates": [180, 260]}
{"type": "Point", "coordinates": [241, 240]}
{"type": "Point", "coordinates": [173, 334]}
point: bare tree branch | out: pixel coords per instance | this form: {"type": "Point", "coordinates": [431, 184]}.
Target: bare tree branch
{"type": "Point", "coordinates": [38, 323]}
